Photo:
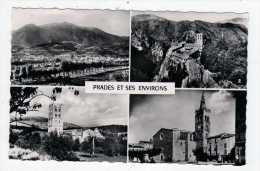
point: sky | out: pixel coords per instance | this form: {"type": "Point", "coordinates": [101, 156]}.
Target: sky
{"type": "Point", "coordinates": [191, 16]}
{"type": "Point", "coordinates": [111, 21]}
{"type": "Point", "coordinates": [86, 109]}
{"type": "Point", "coordinates": [150, 113]}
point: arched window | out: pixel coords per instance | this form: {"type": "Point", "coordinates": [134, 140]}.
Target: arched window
{"type": "Point", "coordinates": [161, 136]}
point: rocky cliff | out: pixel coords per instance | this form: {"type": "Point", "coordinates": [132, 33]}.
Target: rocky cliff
{"type": "Point", "coordinates": [222, 62]}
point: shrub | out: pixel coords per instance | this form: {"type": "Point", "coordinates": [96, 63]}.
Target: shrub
{"type": "Point", "coordinates": [34, 141]}
{"type": "Point", "coordinates": [200, 154]}
{"type": "Point", "coordinates": [24, 154]}
{"type": "Point", "coordinates": [59, 147]}
{"type": "Point", "coordinates": [76, 145]}
{"type": "Point", "coordinates": [29, 141]}
{"type": "Point", "coordinates": [85, 146]}
{"type": "Point", "coordinates": [111, 147]}
{"type": "Point", "coordinates": [13, 137]}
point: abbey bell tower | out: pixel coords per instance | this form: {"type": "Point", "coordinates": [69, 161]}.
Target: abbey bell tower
{"type": "Point", "coordinates": [55, 122]}
{"type": "Point", "coordinates": [202, 124]}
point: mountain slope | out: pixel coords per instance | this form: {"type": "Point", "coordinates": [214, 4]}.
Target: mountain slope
{"type": "Point", "coordinates": [225, 45]}
{"type": "Point", "coordinates": [32, 35]}
{"type": "Point", "coordinates": [42, 122]}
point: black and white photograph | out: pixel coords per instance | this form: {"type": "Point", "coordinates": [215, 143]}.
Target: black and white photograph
{"type": "Point", "coordinates": [192, 126]}
{"type": "Point", "coordinates": [192, 49]}
{"type": "Point", "coordinates": [69, 46]}
{"type": "Point", "coordinates": [67, 124]}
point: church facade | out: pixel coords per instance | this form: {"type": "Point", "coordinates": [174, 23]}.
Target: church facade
{"type": "Point", "coordinates": [180, 145]}
{"type": "Point", "coordinates": [175, 144]}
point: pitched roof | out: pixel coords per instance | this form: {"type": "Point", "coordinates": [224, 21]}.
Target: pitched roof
{"type": "Point", "coordinates": [222, 136]}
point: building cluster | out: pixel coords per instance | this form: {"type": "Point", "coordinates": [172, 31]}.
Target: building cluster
{"type": "Point", "coordinates": [178, 145]}
{"type": "Point", "coordinates": [23, 65]}
{"type": "Point", "coordinates": [56, 125]}
{"type": "Point", "coordinates": [90, 59]}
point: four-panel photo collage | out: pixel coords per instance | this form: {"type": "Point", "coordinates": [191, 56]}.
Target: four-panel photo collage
{"type": "Point", "coordinates": [55, 51]}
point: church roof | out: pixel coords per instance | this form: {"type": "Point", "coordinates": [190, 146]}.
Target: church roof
{"type": "Point", "coordinates": [222, 136]}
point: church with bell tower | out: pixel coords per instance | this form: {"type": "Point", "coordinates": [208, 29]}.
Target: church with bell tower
{"type": "Point", "coordinates": [202, 124]}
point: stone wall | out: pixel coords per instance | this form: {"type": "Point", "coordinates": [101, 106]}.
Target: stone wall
{"type": "Point", "coordinates": [163, 140]}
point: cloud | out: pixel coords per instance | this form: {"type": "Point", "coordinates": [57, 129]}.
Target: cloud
{"type": "Point", "coordinates": [220, 102]}
{"type": "Point", "coordinates": [111, 21]}
{"type": "Point", "coordinates": [111, 109]}
{"type": "Point", "coordinates": [222, 105]}
{"type": "Point", "coordinates": [191, 16]}
{"type": "Point", "coordinates": [87, 109]}
{"type": "Point", "coordinates": [151, 113]}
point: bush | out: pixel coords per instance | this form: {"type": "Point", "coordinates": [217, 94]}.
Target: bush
{"type": "Point", "coordinates": [111, 147]}
{"type": "Point", "coordinates": [34, 141]}
{"type": "Point", "coordinates": [24, 154]}
{"type": "Point", "coordinates": [76, 145]}
{"type": "Point", "coordinates": [200, 154]}
{"type": "Point", "coordinates": [122, 146]}
{"type": "Point", "coordinates": [29, 141]}
{"type": "Point", "coordinates": [85, 146]}
{"type": "Point", "coordinates": [13, 137]}
{"type": "Point", "coordinates": [59, 147]}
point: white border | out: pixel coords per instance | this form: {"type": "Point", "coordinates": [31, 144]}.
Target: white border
{"type": "Point", "coordinates": [253, 114]}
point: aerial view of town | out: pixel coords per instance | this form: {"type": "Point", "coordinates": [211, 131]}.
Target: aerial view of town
{"type": "Point", "coordinates": [61, 51]}
{"type": "Point", "coordinates": [208, 129]}
{"type": "Point", "coordinates": [65, 123]}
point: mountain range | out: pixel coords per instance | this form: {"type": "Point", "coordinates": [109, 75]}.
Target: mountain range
{"type": "Point", "coordinates": [237, 20]}
{"type": "Point", "coordinates": [32, 35]}
{"type": "Point", "coordinates": [224, 45]}
{"type": "Point", "coordinates": [42, 123]}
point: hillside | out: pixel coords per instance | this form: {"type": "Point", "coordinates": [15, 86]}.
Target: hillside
{"type": "Point", "coordinates": [66, 36]}
{"type": "Point", "coordinates": [224, 45]}
{"type": "Point", "coordinates": [32, 35]}
{"type": "Point", "coordinates": [111, 128]}
{"type": "Point", "coordinates": [42, 123]}
{"type": "Point", "coordinates": [238, 20]}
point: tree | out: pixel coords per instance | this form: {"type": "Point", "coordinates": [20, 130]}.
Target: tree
{"type": "Point", "coordinates": [85, 146]}
{"type": "Point", "coordinates": [200, 154]}
{"type": "Point", "coordinates": [76, 145]}
{"type": "Point", "coordinates": [19, 99]}
{"type": "Point", "coordinates": [29, 141]}
{"type": "Point", "coordinates": [59, 147]}
{"type": "Point", "coordinates": [13, 137]}
{"type": "Point", "coordinates": [66, 66]}
{"type": "Point", "coordinates": [24, 72]}
{"type": "Point", "coordinates": [35, 141]}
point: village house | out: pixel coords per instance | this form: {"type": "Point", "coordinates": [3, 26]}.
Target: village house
{"type": "Point", "coordinates": [220, 146]}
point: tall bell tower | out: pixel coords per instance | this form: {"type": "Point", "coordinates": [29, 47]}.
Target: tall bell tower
{"type": "Point", "coordinates": [55, 122]}
{"type": "Point", "coordinates": [202, 124]}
